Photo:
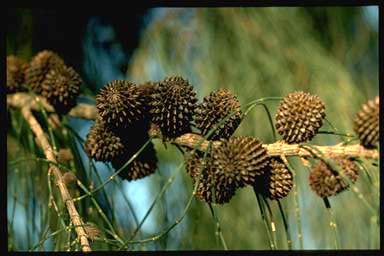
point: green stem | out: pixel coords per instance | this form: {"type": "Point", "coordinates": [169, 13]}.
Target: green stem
{"type": "Point", "coordinates": [332, 223]}
{"type": "Point", "coordinates": [263, 216]}
{"type": "Point", "coordinates": [286, 227]}
{"type": "Point", "coordinates": [296, 203]}
{"type": "Point", "coordinates": [218, 232]}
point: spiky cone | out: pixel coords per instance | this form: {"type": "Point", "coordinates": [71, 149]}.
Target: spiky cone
{"type": "Point", "coordinates": [142, 166]}
{"type": "Point", "coordinates": [299, 117]}
{"type": "Point", "coordinates": [39, 67]}
{"type": "Point", "coordinates": [195, 163]}
{"type": "Point", "coordinates": [326, 182]}
{"type": "Point", "coordinates": [278, 181]}
{"type": "Point", "coordinates": [210, 187]}
{"type": "Point", "coordinates": [239, 160]}
{"type": "Point", "coordinates": [120, 104]}
{"type": "Point", "coordinates": [16, 69]}
{"type": "Point", "coordinates": [214, 108]}
{"type": "Point", "coordinates": [173, 106]}
{"type": "Point", "coordinates": [366, 123]}
{"type": "Point", "coordinates": [61, 88]}
{"type": "Point", "coordinates": [102, 144]}
{"type": "Point", "coordinates": [210, 192]}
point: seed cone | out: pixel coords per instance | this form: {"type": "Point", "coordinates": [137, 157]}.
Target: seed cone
{"type": "Point", "coordinates": [39, 67]}
{"type": "Point", "coordinates": [299, 117]}
{"type": "Point", "coordinates": [239, 160]}
{"type": "Point", "coordinates": [102, 144]}
{"type": "Point", "coordinates": [209, 184]}
{"type": "Point", "coordinates": [120, 104]}
{"type": "Point", "coordinates": [326, 182]}
{"type": "Point", "coordinates": [16, 69]}
{"type": "Point", "coordinates": [144, 165]}
{"type": "Point", "coordinates": [278, 182]}
{"type": "Point", "coordinates": [172, 106]}
{"type": "Point", "coordinates": [215, 107]}
{"type": "Point", "coordinates": [366, 123]}
{"type": "Point", "coordinates": [61, 88]}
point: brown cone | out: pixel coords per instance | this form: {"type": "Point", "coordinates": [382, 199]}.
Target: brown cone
{"type": "Point", "coordinates": [16, 69]}
{"type": "Point", "coordinates": [39, 67]}
{"type": "Point", "coordinates": [299, 117]}
{"type": "Point", "coordinates": [325, 182]}
{"type": "Point", "coordinates": [61, 88]}
{"type": "Point", "coordinates": [210, 187]}
{"type": "Point", "coordinates": [214, 108]}
{"type": "Point", "coordinates": [102, 144]}
{"type": "Point", "coordinates": [278, 181]}
{"type": "Point", "coordinates": [366, 123]}
{"type": "Point", "coordinates": [173, 106]}
{"type": "Point", "coordinates": [240, 160]}
{"type": "Point", "coordinates": [120, 105]}
{"type": "Point", "coordinates": [144, 165]}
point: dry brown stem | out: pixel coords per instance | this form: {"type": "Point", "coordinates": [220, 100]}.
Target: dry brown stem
{"type": "Point", "coordinates": [50, 155]}
{"type": "Point", "coordinates": [86, 111]}
{"type": "Point", "coordinates": [279, 148]}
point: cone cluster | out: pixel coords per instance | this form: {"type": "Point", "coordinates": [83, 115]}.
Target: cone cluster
{"type": "Point", "coordinates": [16, 69]}
{"type": "Point", "coordinates": [123, 110]}
{"type": "Point", "coordinates": [218, 105]}
{"type": "Point", "coordinates": [366, 123]}
{"type": "Point", "coordinates": [172, 106]}
{"type": "Point", "coordinates": [46, 75]}
{"type": "Point", "coordinates": [299, 117]}
{"type": "Point", "coordinates": [325, 181]}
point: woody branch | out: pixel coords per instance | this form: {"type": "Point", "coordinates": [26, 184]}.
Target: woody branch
{"type": "Point", "coordinates": [50, 154]}
{"type": "Point", "coordinates": [190, 140]}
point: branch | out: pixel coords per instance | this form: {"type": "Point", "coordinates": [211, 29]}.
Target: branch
{"type": "Point", "coordinates": [50, 155]}
{"type": "Point", "coordinates": [280, 148]}
{"type": "Point", "coordinates": [19, 100]}
{"type": "Point", "coordinates": [86, 111]}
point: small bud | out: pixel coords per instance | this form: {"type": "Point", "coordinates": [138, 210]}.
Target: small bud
{"type": "Point", "coordinates": [65, 155]}
{"type": "Point", "coordinates": [92, 231]}
{"type": "Point", "coordinates": [69, 177]}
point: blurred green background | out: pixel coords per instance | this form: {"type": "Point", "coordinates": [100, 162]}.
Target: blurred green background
{"type": "Point", "coordinates": [255, 52]}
